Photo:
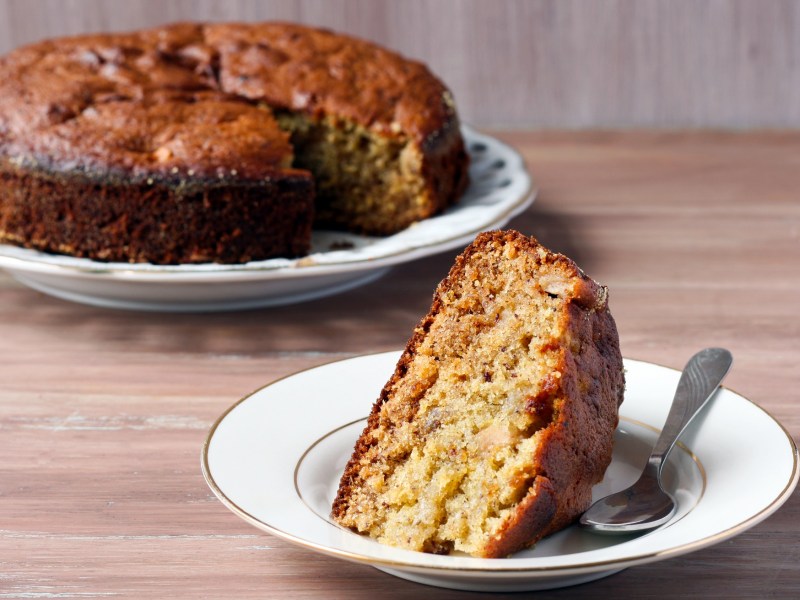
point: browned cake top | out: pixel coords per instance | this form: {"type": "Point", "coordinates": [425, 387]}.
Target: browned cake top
{"type": "Point", "coordinates": [190, 98]}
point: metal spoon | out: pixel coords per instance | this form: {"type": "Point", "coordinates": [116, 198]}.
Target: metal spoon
{"type": "Point", "coordinates": [646, 505]}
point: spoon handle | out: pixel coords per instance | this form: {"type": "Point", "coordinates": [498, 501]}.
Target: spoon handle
{"type": "Point", "coordinates": [699, 380]}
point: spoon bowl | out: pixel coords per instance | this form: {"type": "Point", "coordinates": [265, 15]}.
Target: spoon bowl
{"type": "Point", "coordinates": [646, 505]}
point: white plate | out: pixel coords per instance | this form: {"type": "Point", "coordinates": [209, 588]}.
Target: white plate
{"type": "Point", "coordinates": [500, 188]}
{"type": "Point", "coordinates": [276, 456]}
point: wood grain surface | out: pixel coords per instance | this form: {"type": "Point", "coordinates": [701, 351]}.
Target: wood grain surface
{"type": "Point", "coordinates": [528, 63]}
{"type": "Point", "coordinates": [103, 413]}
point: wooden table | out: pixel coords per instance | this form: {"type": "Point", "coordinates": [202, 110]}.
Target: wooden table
{"type": "Point", "coordinates": [103, 412]}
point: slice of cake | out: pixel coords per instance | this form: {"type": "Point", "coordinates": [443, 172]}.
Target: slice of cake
{"type": "Point", "coordinates": [500, 414]}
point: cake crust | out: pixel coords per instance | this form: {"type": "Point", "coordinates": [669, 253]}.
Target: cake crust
{"type": "Point", "coordinates": [570, 411]}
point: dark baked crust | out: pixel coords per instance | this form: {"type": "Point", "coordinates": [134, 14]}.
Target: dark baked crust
{"type": "Point", "coordinates": [575, 448]}
{"type": "Point", "coordinates": [164, 221]}
{"type": "Point", "coordinates": [191, 103]}
{"type": "Point", "coordinates": [575, 445]}
{"type": "Point", "coordinates": [321, 73]}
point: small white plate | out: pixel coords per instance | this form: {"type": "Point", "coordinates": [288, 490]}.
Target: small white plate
{"type": "Point", "coordinates": [275, 458]}
{"type": "Point", "coordinates": [500, 188]}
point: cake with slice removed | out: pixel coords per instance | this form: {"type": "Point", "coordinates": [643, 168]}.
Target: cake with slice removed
{"type": "Point", "coordinates": [500, 415]}
{"type": "Point", "coordinates": [219, 142]}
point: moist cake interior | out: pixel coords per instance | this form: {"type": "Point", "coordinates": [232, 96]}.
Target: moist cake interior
{"type": "Point", "coordinates": [364, 182]}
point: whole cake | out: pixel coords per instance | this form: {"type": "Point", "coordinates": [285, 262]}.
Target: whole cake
{"type": "Point", "coordinates": [218, 142]}
{"type": "Point", "coordinates": [500, 415]}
